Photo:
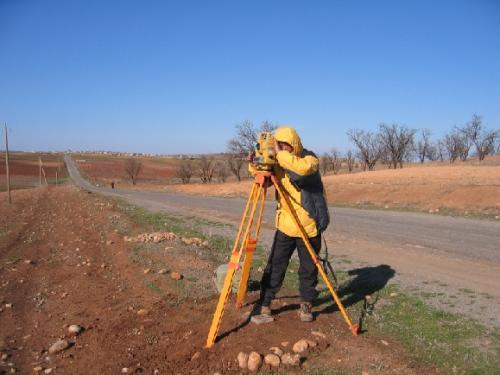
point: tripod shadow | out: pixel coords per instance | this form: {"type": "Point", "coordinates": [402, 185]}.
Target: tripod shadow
{"type": "Point", "coordinates": [366, 281]}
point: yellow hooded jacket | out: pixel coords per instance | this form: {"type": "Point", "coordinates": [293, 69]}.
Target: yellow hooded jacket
{"type": "Point", "coordinates": [298, 174]}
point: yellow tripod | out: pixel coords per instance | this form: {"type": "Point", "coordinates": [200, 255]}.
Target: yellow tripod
{"type": "Point", "coordinates": [245, 244]}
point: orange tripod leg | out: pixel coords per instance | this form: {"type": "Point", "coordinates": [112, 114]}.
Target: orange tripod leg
{"type": "Point", "coordinates": [233, 264]}
{"type": "Point", "coordinates": [249, 252]}
{"type": "Point", "coordinates": [353, 327]}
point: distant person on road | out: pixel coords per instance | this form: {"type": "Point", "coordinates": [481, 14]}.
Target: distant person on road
{"type": "Point", "coordinates": [298, 174]}
{"type": "Point", "coordinates": [112, 184]}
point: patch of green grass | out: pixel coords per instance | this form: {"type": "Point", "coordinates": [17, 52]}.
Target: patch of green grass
{"type": "Point", "coordinates": [319, 370]}
{"type": "Point", "coordinates": [292, 275]}
{"type": "Point", "coordinates": [182, 226]}
{"type": "Point", "coordinates": [60, 180]}
{"type": "Point", "coordinates": [153, 286]}
{"type": "Point", "coordinates": [427, 294]}
{"type": "Point", "coordinates": [431, 336]}
{"type": "Point", "coordinates": [467, 291]}
{"type": "Point", "coordinates": [156, 221]}
{"type": "Point", "coordinates": [487, 295]}
{"type": "Point", "coordinates": [13, 259]}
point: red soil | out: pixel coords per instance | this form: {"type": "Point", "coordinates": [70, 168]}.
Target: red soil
{"type": "Point", "coordinates": [62, 262]}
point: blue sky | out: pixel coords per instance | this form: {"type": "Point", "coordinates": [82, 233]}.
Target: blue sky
{"type": "Point", "coordinates": [176, 76]}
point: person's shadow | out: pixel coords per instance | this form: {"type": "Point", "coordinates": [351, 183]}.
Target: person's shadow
{"type": "Point", "coordinates": [366, 281]}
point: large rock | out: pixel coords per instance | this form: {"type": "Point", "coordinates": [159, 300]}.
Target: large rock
{"type": "Point", "coordinates": [59, 346]}
{"type": "Point", "coordinates": [290, 359]}
{"type": "Point", "coordinates": [175, 276]}
{"type": "Point", "coordinates": [243, 360]}
{"type": "Point", "coordinates": [272, 360]}
{"type": "Point", "coordinates": [300, 346]}
{"type": "Point", "coordinates": [276, 351]}
{"type": "Point", "coordinates": [254, 361]}
{"type": "Point", "coordinates": [220, 275]}
{"type": "Point", "coordinates": [75, 329]}
{"type": "Point", "coordinates": [311, 343]}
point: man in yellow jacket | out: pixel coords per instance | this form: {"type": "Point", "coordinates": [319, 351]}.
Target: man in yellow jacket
{"type": "Point", "coordinates": [298, 173]}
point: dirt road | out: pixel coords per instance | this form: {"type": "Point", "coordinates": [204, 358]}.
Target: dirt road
{"type": "Point", "coordinates": [445, 257]}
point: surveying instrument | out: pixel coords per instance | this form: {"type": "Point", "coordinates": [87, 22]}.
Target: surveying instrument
{"type": "Point", "coordinates": [248, 234]}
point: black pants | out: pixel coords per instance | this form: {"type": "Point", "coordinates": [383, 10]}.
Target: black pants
{"type": "Point", "coordinates": [274, 274]}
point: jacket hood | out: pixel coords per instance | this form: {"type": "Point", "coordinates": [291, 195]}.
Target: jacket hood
{"type": "Point", "coordinates": [290, 136]}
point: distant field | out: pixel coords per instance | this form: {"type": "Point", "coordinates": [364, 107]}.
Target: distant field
{"type": "Point", "coordinates": [24, 170]}
{"type": "Point", "coordinates": [102, 169]}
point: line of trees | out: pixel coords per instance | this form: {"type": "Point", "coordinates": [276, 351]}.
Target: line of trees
{"type": "Point", "coordinates": [234, 161]}
{"type": "Point", "coordinates": [396, 144]}
{"type": "Point", "coordinates": [391, 145]}
{"type": "Point", "coordinates": [209, 169]}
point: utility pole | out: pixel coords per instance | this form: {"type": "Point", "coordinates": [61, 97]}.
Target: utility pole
{"type": "Point", "coordinates": [7, 174]}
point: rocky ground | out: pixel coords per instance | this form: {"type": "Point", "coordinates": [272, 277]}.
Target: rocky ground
{"type": "Point", "coordinates": [84, 289]}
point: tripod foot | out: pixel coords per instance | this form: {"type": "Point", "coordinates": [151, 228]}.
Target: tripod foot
{"type": "Point", "coordinates": [355, 329]}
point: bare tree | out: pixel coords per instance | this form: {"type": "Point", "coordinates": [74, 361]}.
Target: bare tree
{"type": "Point", "coordinates": [206, 169]}
{"type": "Point", "coordinates": [350, 160]}
{"type": "Point", "coordinates": [457, 145]}
{"type": "Point", "coordinates": [368, 145]}
{"type": "Point", "coordinates": [267, 126]}
{"type": "Point", "coordinates": [398, 141]}
{"type": "Point", "coordinates": [424, 145]}
{"type": "Point", "coordinates": [246, 137]}
{"type": "Point", "coordinates": [132, 168]}
{"type": "Point", "coordinates": [451, 143]}
{"type": "Point", "coordinates": [235, 162]}
{"type": "Point", "coordinates": [433, 152]}
{"type": "Point", "coordinates": [385, 157]}
{"type": "Point", "coordinates": [324, 163]}
{"type": "Point", "coordinates": [336, 161]}
{"type": "Point", "coordinates": [464, 146]}
{"type": "Point", "coordinates": [222, 171]}
{"type": "Point", "coordinates": [483, 139]}
{"type": "Point", "coordinates": [440, 149]}
{"type": "Point", "coordinates": [185, 171]}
